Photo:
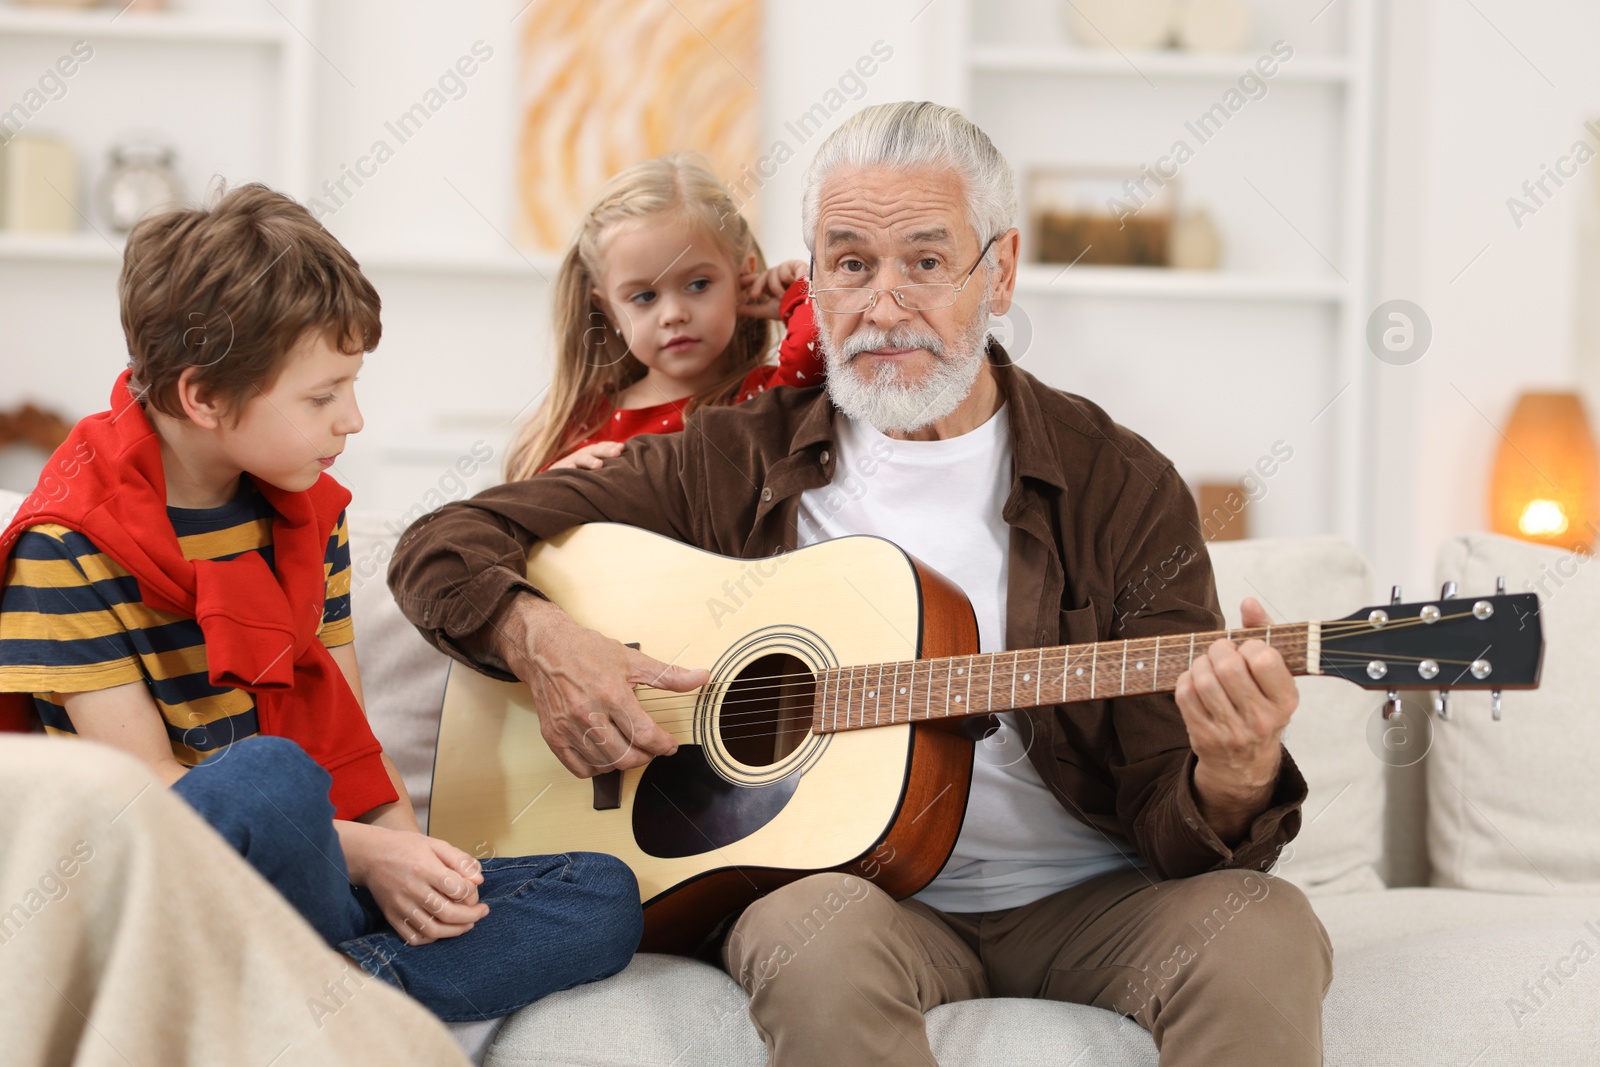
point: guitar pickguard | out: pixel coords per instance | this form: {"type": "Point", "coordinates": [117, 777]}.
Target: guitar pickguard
{"type": "Point", "coordinates": [685, 808]}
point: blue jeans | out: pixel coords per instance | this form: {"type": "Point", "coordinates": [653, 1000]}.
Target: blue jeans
{"type": "Point", "coordinates": [554, 921]}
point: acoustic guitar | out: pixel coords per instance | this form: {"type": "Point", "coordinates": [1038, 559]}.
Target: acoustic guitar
{"type": "Point", "coordinates": [828, 736]}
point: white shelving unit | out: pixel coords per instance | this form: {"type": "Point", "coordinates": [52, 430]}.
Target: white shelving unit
{"type": "Point", "coordinates": [1018, 59]}
{"type": "Point", "coordinates": [538, 266]}
{"type": "Point", "coordinates": [1210, 365]}
{"type": "Point", "coordinates": [106, 24]}
{"type": "Point", "coordinates": [21, 249]}
{"type": "Point", "coordinates": [283, 92]}
{"type": "Point", "coordinates": [1153, 282]}
{"type": "Point", "coordinates": [1296, 280]}
{"type": "Point", "coordinates": [190, 64]}
{"type": "Point", "coordinates": [225, 83]}
{"type": "Point", "coordinates": [284, 147]}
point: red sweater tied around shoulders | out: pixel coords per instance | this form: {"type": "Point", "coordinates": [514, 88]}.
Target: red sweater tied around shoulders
{"type": "Point", "coordinates": [106, 482]}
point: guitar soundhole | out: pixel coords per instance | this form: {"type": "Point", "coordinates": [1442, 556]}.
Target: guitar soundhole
{"type": "Point", "coordinates": [766, 712]}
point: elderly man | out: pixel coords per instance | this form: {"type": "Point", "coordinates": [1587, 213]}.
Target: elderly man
{"type": "Point", "coordinates": [1121, 863]}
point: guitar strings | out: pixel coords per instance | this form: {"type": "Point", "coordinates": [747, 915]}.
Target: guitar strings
{"type": "Point", "coordinates": [1008, 673]}
{"type": "Point", "coordinates": [1002, 674]}
{"type": "Point", "coordinates": [804, 723]}
{"type": "Point", "coordinates": [931, 663]}
{"type": "Point", "coordinates": [1294, 642]}
{"type": "Point", "coordinates": [753, 718]}
{"type": "Point", "coordinates": [739, 721]}
{"type": "Point", "coordinates": [740, 725]}
{"type": "Point", "coordinates": [1330, 630]}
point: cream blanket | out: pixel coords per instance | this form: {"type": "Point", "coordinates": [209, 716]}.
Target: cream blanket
{"type": "Point", "coordinates": [131, 934]}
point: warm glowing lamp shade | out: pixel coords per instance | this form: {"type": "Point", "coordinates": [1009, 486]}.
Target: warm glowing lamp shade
{"type": "Point", "coordinates": [1546, 483]}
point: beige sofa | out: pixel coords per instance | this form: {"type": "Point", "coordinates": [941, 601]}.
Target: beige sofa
{"type": "Point", "coordinates": [1456, 865]}
{"type": "Point", "coordinates": [1461, 890]}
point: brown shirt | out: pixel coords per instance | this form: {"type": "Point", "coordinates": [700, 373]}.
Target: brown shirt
{"type": "Point", "coordinates": [1105, 544]}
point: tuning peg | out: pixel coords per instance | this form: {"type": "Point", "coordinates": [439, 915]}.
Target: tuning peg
{"type": "Point", "coordinates": [1441, 702]}
{"type": "Point", "coordinates": [1394, 594]}
{"type": "Point", "coordinates": [1494, 704]}
{"type": "Point", "coordinates": [1392, 707]}
{"type": "Point", "coordinates": [1500, 586]}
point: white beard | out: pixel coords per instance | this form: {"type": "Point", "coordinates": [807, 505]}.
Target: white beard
{"type": "Point", "coordinates": [888, 403]}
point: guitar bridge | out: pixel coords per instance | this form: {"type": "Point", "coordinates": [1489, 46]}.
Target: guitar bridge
{"type": "Point", "coordinates": [607, 791]}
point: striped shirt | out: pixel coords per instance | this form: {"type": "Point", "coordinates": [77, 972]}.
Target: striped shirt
{"type": "Point", "coordinates": [71, 621]}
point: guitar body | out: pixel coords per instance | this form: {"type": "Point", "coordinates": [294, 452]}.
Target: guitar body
{"type": "Point", "coordinates": [754, 798]}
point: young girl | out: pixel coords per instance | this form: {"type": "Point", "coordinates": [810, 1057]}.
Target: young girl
{"type": "Point", "coordinates": [663, 305]}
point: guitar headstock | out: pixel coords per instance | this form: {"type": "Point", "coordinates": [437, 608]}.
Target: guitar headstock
{"type": "Point", "coordinates": [1490, 642]}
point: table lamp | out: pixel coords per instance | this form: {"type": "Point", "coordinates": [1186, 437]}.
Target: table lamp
{"type": "Point", "coordinates": [1546, 482]}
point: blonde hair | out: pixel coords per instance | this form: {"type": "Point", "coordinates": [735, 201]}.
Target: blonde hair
{"type": "Point", "coordinates": [593, 363]}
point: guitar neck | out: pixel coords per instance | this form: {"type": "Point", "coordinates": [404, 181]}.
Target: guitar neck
{"type": "Point", "coordinates": [883, 694]}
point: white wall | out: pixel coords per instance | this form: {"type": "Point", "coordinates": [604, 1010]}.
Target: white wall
{"type": "Point", "coordinates": [1481, 96]}
{"type": "Point", "coordinates": [466, 346]}
{"type": "Point", "coordinates": [809, 47]}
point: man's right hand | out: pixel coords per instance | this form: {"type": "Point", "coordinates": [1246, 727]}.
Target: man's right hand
{"type": "Point", "coordinates": [582, 684]}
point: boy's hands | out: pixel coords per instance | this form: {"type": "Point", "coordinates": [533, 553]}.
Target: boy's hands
{"type": "Point", "coordinates": [589, 457]}
{"type": "Point", "coordinates": [761, 293]}
{"type": "Point", "coordinates": [426, 888]}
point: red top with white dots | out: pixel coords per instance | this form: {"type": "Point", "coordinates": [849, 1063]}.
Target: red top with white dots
{"type": "Point", "coordinates": [800, 362]}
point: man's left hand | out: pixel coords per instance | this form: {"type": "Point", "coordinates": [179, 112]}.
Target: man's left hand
{"type": "Point", "coordinates": [1236, 701]}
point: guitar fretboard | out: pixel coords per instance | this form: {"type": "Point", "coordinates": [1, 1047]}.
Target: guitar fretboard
{"type": "Point", "coordinates": [883, 694]}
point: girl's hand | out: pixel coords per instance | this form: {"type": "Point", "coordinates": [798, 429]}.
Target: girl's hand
{"type": "Point", "coordinates": [761, 293]}
{"type": "Point", "coordinates": [426, 888]}
{"type": "Point", "coordinates": [589, 457]}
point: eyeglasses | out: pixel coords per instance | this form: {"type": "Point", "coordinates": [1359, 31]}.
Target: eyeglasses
{"type": "Point", "coordinates": [921, 296]}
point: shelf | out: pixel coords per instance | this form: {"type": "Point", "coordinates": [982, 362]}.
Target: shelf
{"type": "Point", "coordinates": [1014, 59]}
{"type": "Point", "coordinates": [102, 24]}
{"type": "Point", "coordinates": [1032, 278]}
{"type": "Point", "coordinates": [1159, 283]}
{"type": "Point", "coordinates": [92, 248]}
{"type": "Point", "coordinates": [532, 264]}
{"type": "Point", "coordinates": [58, 248]}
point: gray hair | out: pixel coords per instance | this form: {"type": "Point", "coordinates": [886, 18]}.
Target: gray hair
{"type": "Point", "coordinates": [912, 134]}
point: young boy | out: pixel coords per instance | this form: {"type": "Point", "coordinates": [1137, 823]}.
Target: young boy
{"type": "Point", "coordinates": [178, 587]}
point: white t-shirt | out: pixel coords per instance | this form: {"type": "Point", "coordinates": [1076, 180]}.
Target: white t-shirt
{"type": "Point", "coordinates": [941, 501]}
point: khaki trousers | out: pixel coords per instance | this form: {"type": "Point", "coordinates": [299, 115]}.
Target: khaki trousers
{"type": "Point", "coordinates": [1228, 967]}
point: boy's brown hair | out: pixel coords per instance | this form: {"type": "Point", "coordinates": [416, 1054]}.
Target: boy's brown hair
{"type": "Point", "coordinates": [230, 289]}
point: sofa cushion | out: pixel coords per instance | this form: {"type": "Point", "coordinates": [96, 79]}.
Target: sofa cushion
{"type": "Point", "coordinates": [403, 676]}
{"type": "Point", "coordinates": [1443, 976]}
{"type": "Point", "coordinates": [1340, 844]}
{"type": "Point", "coordinates": [663, 1011]}
{"type": "Point", "coordinates": [1425, 976]}
{"type": "Point", "coordinates": [1511, 804]}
